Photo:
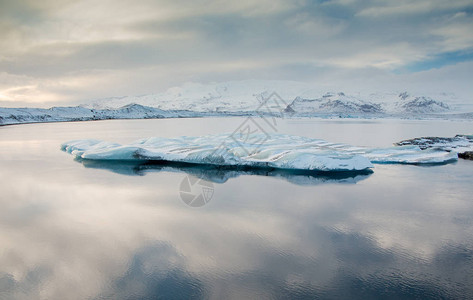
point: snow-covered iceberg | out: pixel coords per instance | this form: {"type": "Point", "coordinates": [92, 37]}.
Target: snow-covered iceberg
{"type": "Point", "coordinates": [255, 151]}
{"type": "Point", "coordinates": [459, 143]}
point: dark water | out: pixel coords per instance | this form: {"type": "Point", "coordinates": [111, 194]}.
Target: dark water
{"type": "Point", "coordinates": [78, 230]}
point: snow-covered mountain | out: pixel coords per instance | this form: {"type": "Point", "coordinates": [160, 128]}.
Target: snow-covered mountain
{"type": "Point", "coordinates": [232, 96]}
{"type": "Point", "coordinates": [421, 104]}
{"type": "Point", "coordinates": [334, 103]}
{"type": "Point", "coordinates": [299, 98]}
{"type": "Point", "coordinates": [403, 103]}
{"type": "Point", "coordinates": [247, 98]}
{"type": "Point", "coordinates": [61, 114]}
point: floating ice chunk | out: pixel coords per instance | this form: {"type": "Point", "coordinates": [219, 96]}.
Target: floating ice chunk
{"type": "Point", "coordinates": [458, 143]}
{"type": "Point", "coordinates": [79, 147]}
{"type": "Point", "coordinates": [409, 155]}
{"type": "Point", "coordinates": [257, 151]}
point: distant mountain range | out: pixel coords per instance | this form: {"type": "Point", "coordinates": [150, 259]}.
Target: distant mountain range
{"type": "Point", "coordinates": [238, 98]}
{"type": "Point", "coordinates": [244, 96]}
{"type": "Point", "coordinates": [77, 113]}
{"type": "Point", "coordinates": [346, 104]}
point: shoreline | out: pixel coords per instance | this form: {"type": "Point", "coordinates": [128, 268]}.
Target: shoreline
{"type": "Point", "coordinates": [442, 117]}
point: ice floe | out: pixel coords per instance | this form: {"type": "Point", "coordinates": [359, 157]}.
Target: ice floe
{"type": "Point", "coordinates": [277, 151]}
{"type": "Point", "coordinates": [459, 143]}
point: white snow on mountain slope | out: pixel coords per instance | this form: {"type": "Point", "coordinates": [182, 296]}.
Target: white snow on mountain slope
{"type": "Point", "coordinates": [301, 98]}
{"type": "Point", "coordinates": [256, 150]}
{"type": "Point", "coordinates": [374, 104]}
{"type": "Point", "coordinates": [246, 98]}
{"type": "Point", "coordinates": [61, 114]}
{"type": "Point", "coordinates": [422, 104]}
{"type": "Point", "coordinates": [233, 96]}
{"type": "Point", "coordinates": [334, 103]}
{"type": "Point", "coordinates": [405, 102]}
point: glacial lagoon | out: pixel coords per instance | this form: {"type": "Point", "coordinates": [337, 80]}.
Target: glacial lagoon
{"type": "Point", "coordinates": [72, 229]}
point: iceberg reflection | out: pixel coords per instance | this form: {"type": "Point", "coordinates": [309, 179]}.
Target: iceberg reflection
{"type": "Point", "coordinates": [218, 174]}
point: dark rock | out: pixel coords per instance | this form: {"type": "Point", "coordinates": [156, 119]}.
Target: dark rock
{"type": "Point", "coordinates": [423, 105]}
{"type": "Point", "coordinates": [289, 109]}
{"type": "Point", "coordinates": [403, 95]}
{"type": "Point", "coordinates": [466, 155]}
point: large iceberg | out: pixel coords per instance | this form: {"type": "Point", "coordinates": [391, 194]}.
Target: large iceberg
{"type": "Point", "coordinates": [277, 151]}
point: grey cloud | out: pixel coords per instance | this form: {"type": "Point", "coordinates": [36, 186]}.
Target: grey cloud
{"type": "Point", "coordinates": [268, 38]}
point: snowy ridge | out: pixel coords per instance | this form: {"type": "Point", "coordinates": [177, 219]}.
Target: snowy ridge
{"type": "Point", "coordinates": [334, 103]}
{"type": "Point", "coordinates": [374, 104]}
{"type": "Point", "coordinates": [422, 104]}
{"type": "Point", "coordinates": [61, 114]}
{"type": "Point", "coordinates": [300, 99]}
{"type": "Point", "coordinates": [242, 98]}
{"type": "Point", "coordinates": [256, 151]}
{"type": "Point", "coordinates": [232, 96]}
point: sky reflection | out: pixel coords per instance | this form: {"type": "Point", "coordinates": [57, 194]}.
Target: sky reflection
{"type": "Point", "coordinates": [72, 232]}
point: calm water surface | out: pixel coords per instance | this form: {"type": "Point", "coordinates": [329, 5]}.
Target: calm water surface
{"type": "Point", "coordinates": [72, 230]}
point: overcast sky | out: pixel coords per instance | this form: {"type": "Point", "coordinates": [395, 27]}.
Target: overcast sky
{"type": "Point", "coordinates": [56, 52]}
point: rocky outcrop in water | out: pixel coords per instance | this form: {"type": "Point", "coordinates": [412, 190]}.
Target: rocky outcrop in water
{"type": "Point", "coordinates": [461, 144]}
{"type": "Point", "coordinates": [466, 155]}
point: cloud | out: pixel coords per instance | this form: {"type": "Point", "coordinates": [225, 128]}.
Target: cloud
{"type": "Point", "coordinates": [157, 44]}
{"type": "Point", "coordinates": [408, 7]}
